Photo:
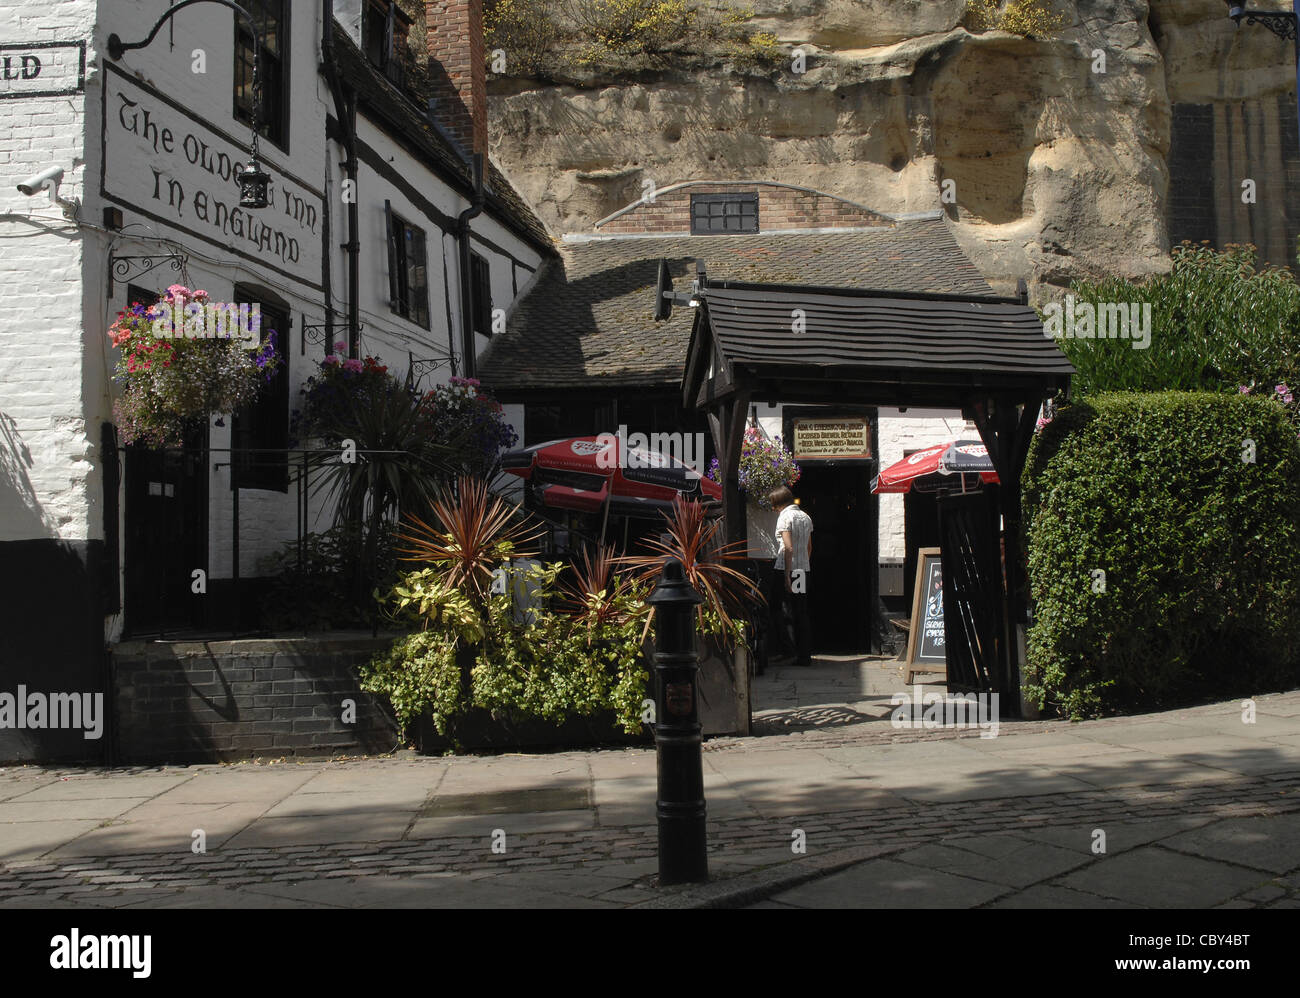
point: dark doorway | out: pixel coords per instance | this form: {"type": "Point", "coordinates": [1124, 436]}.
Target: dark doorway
{"type": "Point", "coordinates": [166, 535]}
{"type": "Point", "coordinates": [844, 556]}
{"type": "Point", "coordinates": [920, 530]}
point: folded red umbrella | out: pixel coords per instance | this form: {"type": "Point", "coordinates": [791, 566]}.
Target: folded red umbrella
{"type": "Point", "coordinates": [957, 457]}
{"type": "Point", "coordinates": [584, 472]}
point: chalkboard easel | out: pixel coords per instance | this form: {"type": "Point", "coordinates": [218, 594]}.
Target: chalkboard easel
{"type": "Point", "coordinates": [926, 652]}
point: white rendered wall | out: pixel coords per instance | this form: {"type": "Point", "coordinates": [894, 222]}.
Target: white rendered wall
{"type": "Point", "coordinates": [50, 482]}
{"type": "Point", "coordinates": [915, 429]}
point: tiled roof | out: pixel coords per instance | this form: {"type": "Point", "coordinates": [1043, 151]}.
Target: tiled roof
{"type": "Point", "coordinates": [589, 320]}
{"type": "Point", "coordinates": [408, 124]}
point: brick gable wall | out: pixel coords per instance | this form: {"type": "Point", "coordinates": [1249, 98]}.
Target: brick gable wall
{"type": "Point", "coordinates": [778, 208]}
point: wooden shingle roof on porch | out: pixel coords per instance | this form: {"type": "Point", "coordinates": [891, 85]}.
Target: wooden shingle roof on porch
{"type": "Point", "coordinates": [883, 347]}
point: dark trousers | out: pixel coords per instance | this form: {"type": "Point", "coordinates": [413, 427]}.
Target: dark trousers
{"type": "Point", "coordinates": [789, 618]}
{"type": "Point", "coordinates": [802, 617]}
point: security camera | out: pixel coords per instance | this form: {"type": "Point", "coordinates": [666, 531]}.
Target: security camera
{"type": "Point", "coordinates": [47, 179]}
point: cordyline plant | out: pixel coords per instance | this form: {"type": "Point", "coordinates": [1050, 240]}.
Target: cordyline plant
{"type": "Point", "coordinates": [479, 532]}
{"type": "Point", "coordinates": [692, 538]}
{"type": "Point", "coordinates": [598, 596]}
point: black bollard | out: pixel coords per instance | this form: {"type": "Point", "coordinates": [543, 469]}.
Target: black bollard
{"type": "Point", "coordinates": [683, 850]}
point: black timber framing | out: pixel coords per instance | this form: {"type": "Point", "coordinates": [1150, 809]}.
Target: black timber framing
{"type": "Point", "coordinates": [984, 355]}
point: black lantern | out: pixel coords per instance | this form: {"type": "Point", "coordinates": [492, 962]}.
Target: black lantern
{"type": "Point", "coordinates": [253, 184]}
{"type": "Point", "coordinates": [1284, 24]}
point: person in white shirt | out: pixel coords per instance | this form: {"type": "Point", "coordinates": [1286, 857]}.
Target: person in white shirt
{"type": "Point", "coordinates": [794, 530]}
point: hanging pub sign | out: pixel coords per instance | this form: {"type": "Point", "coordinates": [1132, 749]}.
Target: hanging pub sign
{"type": "Point", "coordinates": [42, 69]}
{"type": "Point", "coordinates": [823, 439]}
{"type": "Point", "coordinates": [168, 165]}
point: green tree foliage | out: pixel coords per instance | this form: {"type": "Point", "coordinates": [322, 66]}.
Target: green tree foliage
{"type": "Point", "coordinates": [1189, 503]}
{"type": "Point", "coordinates": [1218, 323]}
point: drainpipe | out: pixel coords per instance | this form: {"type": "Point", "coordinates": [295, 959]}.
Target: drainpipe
{"type": "Point", "coordinates": [466, 285]}
{"type": "Point", "coordinates": [345, 108]}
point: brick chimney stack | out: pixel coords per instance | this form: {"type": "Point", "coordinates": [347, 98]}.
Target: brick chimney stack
{"type": "Point", "coordinates": [456, 61]}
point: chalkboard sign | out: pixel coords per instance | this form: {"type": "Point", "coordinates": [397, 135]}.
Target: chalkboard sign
{"type": "Point", "coordinates": [926, 651]}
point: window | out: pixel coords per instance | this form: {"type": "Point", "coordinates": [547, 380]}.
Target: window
{"type": "Point", "coordinates": [385, 32]}
{"type": "Point", "coordinates": [719, 213]}
{"type": "Point", "coordinates": [264, 425]}
{"type": "Point", "coordinates": [480, 275]}
{"type": "Point", "coordinates": [271, 19]}
{"type": "Point", "coordinates": [408, 273]}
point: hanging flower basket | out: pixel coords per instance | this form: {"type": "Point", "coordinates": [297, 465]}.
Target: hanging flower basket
{"type": "Point", "coordinates": [765, 465]}
{"type": "Point", "coordinates": [175, 377]}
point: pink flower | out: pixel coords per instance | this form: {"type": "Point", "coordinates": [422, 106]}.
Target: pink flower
{"type": "Point", "coordinates": [340, 346]}
{"type": "Point", "coordinates": [352, 364]}
{"type": "Point", "coordinates": [331, 359]}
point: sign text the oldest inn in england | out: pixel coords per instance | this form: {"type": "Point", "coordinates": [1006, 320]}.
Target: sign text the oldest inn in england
{"type": "Point", "coordinates": [164, 163]}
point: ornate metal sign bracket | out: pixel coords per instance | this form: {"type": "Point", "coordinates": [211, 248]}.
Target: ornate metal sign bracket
{"type": "Point", "coordinates": [316, 334]}
{"type": "Point", "coordinates": [417, 369]}
{"type": "Point", "coordinates": [128, 268]}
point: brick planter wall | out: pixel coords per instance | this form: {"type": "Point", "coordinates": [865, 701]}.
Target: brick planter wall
{"type": "Point", "coordinates": [209, 701]}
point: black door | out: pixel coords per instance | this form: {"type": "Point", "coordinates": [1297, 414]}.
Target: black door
{"type": "Point", "coordinates": [972, 590]}
{"type": "Point", "coordinates": [166, 536]}
{"type": "Point", "coordinates": [843, 556]}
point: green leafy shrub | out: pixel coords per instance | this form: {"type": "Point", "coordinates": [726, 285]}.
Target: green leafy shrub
{"type": "Point", "coordinates": [523, 663]}
{"type": "Point", "coordinates": [1201, 588]}
{"type": "Point", "coordinates": [1031, 18]}
{"type": "Point", "coordinates": [621, 28]}
{"type": "Point", "coordinates": [549, 39]}
{"type": "Point", "coordinates": [1217, 323]}
{"type": "Point", "coordinates": [318, 591]}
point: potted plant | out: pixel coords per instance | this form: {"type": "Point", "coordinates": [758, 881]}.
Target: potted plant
{"type": "Point", "coordinates": [729, 599]}
{"type": "Point", "coordinates": [171, 379]}
{"type": "Point", "coordinates": [488, 666]}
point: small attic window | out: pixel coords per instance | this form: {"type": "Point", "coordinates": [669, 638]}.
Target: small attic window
{"type": "Point", "coordinates": [385, 33]}
{"type": "Point", "coordinates": [718, 214]}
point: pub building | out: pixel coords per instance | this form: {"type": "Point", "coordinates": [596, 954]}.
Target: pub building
{"type": "Point", "coordinates": [583, 354]}
{"type": "Point", "coordinates": [386, 229]}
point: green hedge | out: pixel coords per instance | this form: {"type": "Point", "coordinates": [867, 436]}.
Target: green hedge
{"type": "Point", "coordinates": [1201, 592]}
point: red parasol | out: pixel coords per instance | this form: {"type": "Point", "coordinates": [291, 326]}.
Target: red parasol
{"type": "Point", "coordinates": [957, 457]}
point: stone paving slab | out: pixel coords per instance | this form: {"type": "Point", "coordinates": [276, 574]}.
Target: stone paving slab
{"type": "Point", "coordinates": [342, 826]}
{"type": "Point", "coordinates": [164, 827]}
{"type": "Point", "coordinates": [1271, 844]}
{"type": "Point", "coordinates": [1031, 863]}
{"type": "Point", "coordinates": [887, 883]}
{"type": "Point", "coordinates": [96, 786]}
{"type": "Point", "coordinates": [90, 808]}
{"type": "Point", "coordinates": [1152, 877]}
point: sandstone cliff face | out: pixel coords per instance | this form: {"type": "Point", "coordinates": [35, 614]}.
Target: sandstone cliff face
{"type": "Point", "coordinates": [1059, 165]}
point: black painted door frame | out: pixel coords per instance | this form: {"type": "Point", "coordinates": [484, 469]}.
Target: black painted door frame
{"type": "Point", "coordinates": [166, 536]}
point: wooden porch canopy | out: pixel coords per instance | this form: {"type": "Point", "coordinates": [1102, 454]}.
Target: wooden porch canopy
{"type": "Point", "coordinates": [987, 356]}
